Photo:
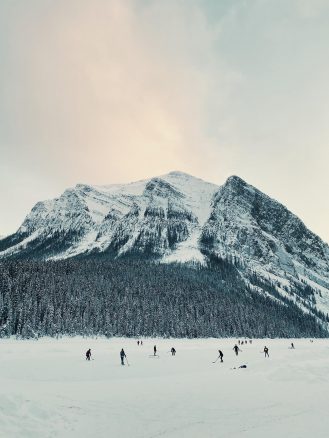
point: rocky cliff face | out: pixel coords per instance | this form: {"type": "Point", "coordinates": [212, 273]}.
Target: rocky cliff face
{"type": "Point", "coordinates": [254, 227]}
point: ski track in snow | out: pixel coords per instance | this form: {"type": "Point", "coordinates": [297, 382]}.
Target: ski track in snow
{"type": "Point", "coordinates": [48, 389]}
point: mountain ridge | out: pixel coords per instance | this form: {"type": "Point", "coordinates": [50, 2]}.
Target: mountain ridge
{"type": "Point", "coordinates": [178, 218]}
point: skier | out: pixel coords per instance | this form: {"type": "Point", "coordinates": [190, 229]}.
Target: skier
{"type": "Point", "coordinates": [239, 341]}
{"type": "Point", "coordinates": [292, 346]}
{"type": "Point", "coordinates": [138, 343]}
{"type": "Point", "coordinates": [122, 356]}
{"type": "Point", "coordinates": [141, 342]}
{"type": "Point", "coordinates": [236, 349]}
{"type": "Point", "coordinates": [173, 351]}
{"type": "Point", "coordinates": [266, 352]}
{"type": "Point", "coordinates": [88, 354]}
{"type": "Point", "coordinates": [155, 350]}
{"type": "Point", "coordinates": [221, 355]}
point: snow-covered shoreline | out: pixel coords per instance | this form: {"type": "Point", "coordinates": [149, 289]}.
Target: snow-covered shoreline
{"type": "Point", "coordinates": [48, 389]}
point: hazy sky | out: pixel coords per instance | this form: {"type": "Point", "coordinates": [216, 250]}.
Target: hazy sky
{"type": "Point", "coordinates": [105, 91]}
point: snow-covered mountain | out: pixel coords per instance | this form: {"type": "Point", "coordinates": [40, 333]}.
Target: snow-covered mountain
{"type": "Point", "coordinates": [162, 216]}
{"type": "Point", "coordinates": [180, 218]}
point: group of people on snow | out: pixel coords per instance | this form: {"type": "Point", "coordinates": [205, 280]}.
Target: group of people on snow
{"type": "Point", "coordinates": [236, 349]}
{"type": "Point", "coordinates": [244, 342]}
{"type": "Point", "coordinates": [123, 354]}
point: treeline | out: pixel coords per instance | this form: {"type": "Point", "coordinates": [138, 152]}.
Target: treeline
{"type": "Point", "coordinates": [131, 298]}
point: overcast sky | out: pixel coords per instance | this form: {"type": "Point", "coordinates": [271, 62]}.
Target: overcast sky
{"type": "Point", "coordinates": [106, 91]}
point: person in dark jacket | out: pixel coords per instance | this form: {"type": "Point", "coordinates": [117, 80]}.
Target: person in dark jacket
{"type": "Point", "coordinates": [88, 354]}
{"type": "Point", "coordinates": [236, 349]}
{"type": "Point", "coordinates": [122, 356]}
{"type": "Point", "coordinates": [173, 351]}
{"type": "Point", "coordinates": [221, 355]}
{"type": "Point", "coordinates": [266, 352]}
{"type": "Point", "coordinates": [155, 350]}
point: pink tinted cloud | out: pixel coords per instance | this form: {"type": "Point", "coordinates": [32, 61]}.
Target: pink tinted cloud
{"type": "Point", "coordinates": [120, 90]}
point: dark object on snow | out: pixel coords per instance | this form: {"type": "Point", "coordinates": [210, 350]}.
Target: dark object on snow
{"type": "Point", "coordinates": [266, 352]}
{"type": "Point", "coordinates": [221, 355]}
{"type": "Point", "coordinates": [173, 351]}
{"type": "Point", "coordinates": [292, 346]}
{"type": "Point", "coordinates": [241, 366]}
{"type": "Point", "coordinates": [122, 356]}
{"type": "Point", "coordinates": [88, 354]}
{"type": "Point", "coordinates": [155, 350]}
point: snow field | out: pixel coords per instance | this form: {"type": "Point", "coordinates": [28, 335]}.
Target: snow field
{"type": "Point", "coordinates": [48, 389]}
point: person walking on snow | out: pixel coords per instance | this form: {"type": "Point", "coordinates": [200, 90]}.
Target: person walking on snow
{"type": "Point", "coordinates": [266, 352]}
{"type": "Point", "coordinates": [155, 350]}
{"type": "Point", "coordinates": [122, 356]}
{"type": "Point", "coordinates": [221, 355]}
{"type": "Point", "coordinates": [173, 351]}
{"type": "Point", "coordinates": [88, 354]}
{"type": "Point", "coordinates": [236, 349]}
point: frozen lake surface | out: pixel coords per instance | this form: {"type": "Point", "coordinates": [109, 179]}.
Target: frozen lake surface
{"type": "Point", "coordinates": [48, 389]}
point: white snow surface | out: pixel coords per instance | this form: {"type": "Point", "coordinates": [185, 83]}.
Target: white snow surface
{"type": "Point", "coordinates": [199, 194]}
{"type": "Point", "coordinates": [48, 389]}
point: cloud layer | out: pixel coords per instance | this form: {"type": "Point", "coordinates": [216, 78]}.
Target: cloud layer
{"type": "Point", "coordinates": [111, 90]}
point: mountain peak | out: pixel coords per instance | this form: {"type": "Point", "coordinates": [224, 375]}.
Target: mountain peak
{"type": "Point", "coordinates": [179, 173]}
{"type": "Point", "coordinates": [236, 181]}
